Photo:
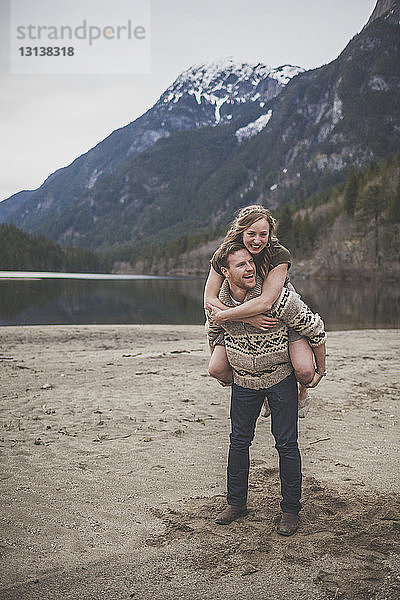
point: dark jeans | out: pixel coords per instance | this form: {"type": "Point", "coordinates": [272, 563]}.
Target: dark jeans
{"type": "Point", "coordinates": [245, 408]}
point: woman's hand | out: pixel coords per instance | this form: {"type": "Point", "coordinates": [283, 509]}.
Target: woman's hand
{"type": "Point", "coordinates": [215, 313]}
{"type": "Point", "coordinates": [263, 322]}
{"type": "Point", "coordinates": [314, 381]}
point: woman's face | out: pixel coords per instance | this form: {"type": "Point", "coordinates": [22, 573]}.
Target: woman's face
{"type": "Point", "coordinates": [255, 237]}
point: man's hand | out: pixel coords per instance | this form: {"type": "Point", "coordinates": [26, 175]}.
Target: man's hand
{"type": "Point", "coordinates": [315, 381]}
{"type": "Point", "coordinates": [263, 322]}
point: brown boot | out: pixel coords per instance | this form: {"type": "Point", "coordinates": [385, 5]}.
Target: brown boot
{"type": "Point", "coordinates": [230, 513]}
{"type": "Point", "coordinates": [288, 524]}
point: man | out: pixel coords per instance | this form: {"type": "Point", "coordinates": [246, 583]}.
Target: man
{"type": "Point", "coordinates": [261, 367]}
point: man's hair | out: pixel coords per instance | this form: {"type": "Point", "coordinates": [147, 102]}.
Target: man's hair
{"type": "Point", "coordinates": [223, 253]}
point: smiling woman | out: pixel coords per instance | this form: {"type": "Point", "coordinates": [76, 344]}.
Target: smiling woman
{"type": "Point", "coordinates": [257, 236]}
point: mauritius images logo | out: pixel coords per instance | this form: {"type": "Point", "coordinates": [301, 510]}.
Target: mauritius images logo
{"type": "Point", "coordinates": [80, 36]}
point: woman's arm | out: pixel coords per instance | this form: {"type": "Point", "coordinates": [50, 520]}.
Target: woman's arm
{"type": "Point", "coordinates": [263, 322]}
{"type": "Point", "coordinates": [211, 290]}
{"type": "Point", "coordinates": [272, 287]}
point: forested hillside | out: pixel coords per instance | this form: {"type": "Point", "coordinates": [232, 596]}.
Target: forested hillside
{"type": "Point", "coordinates": [21, 251]}
{"type": "Point", "coordinates": [354, 229]}
{"type": "Point", "coordinates": [350, 230]}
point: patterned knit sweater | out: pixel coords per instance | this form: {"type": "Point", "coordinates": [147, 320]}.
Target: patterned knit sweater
{"type": "Point", "coordinates": [260, 359]}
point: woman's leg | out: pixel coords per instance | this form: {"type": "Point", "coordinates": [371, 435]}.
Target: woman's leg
{"type": "Point", "coordinates": [302, 358]}
{"type": "Point", "coordinates": [219, 367]}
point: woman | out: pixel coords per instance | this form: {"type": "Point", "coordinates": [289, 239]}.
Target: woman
{"type": "Point", "coordinates": [254, 226]}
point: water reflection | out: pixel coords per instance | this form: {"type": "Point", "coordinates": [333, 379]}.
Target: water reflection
{"type": "Point", "coordinates": [353, 305]}
{"type": "Point", "coordinates": [24, 302]}
{"type": "Point", "coordinates": [81, 301]}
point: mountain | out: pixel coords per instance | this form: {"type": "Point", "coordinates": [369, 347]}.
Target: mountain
{"type": "Point", "coordinates": [226, 135]}
{"type": "Point", "coordinates": [206, 95]}
{"type": "Point", "coordinates": [343, 114]}
{"type": "Point", "coordinates": [389, 9]}
{"type": "Point", "coordinates": [12, 204]}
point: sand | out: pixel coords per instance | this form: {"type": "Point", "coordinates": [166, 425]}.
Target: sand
{"type": "Point", "coordinates": [114, 443]}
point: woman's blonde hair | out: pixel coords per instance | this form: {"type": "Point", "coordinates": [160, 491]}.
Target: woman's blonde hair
{"type": "Point", "coordinates": [244, 219]}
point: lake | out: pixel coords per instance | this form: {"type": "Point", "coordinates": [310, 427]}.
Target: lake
{"type": "Point", "coordinates": [73, 299]}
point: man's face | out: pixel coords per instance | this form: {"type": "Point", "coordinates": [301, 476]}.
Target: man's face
{"type": "Point", "coordinates": [241, 271]}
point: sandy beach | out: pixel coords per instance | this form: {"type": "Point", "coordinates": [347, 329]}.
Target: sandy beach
{"type": "Point", "coordinates": [114, 443]}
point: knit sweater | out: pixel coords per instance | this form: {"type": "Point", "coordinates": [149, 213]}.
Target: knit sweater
{"type": "Point", "coordinates": [260, 359]}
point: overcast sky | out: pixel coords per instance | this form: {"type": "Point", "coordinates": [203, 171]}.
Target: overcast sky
{"type": "Point", "coordinates": [49, 120]}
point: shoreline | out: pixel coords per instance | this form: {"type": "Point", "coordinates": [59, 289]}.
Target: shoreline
{"type": "Point", "coordinates": [114, 443]}
{"type": "Point", "coordinates": [183, 274]}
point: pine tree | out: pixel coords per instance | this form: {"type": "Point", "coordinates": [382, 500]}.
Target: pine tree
{"type": "Point", "coordinates": [370, 207]}
{"type": "Point", "coordinates": [285, 227]}
{"type": "Point", "coordinates": [394, 206]}
{"type": "Point", "coordinates": [351, 193]}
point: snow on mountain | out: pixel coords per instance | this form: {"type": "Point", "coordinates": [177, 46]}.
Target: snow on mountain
{"type": "Point", "coordinates": [250, 130]}
{"type": "Point", "coordinates": [226, 82]}
{"type": "Point", "coordinates": [285, 73]}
